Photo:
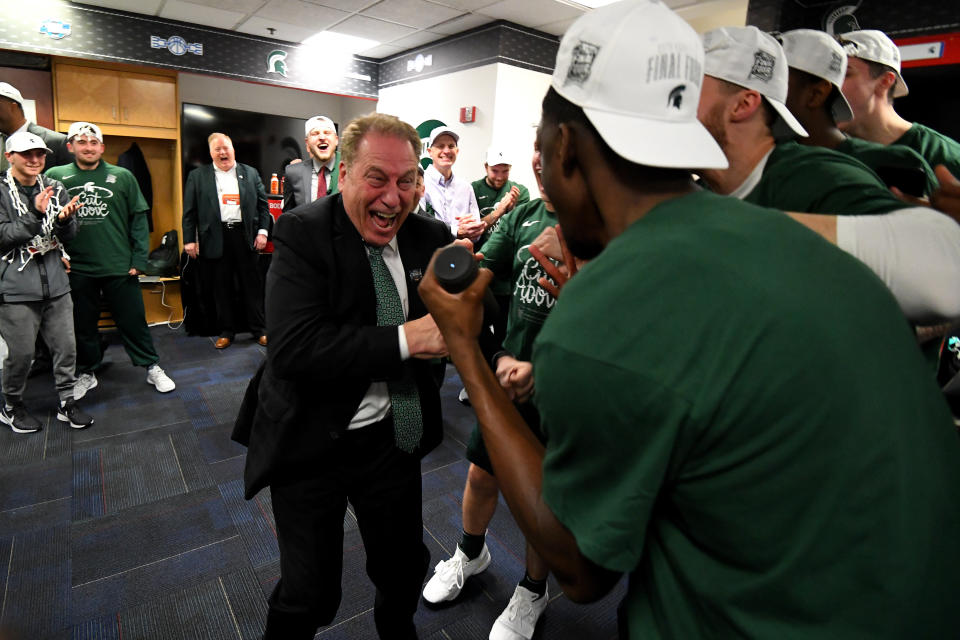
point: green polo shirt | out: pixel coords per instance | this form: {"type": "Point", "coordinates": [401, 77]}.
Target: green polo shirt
{"type": "Point", "coordinates": [935, 147]}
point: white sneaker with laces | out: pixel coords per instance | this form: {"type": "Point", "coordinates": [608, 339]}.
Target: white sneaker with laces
{"type": "Point", "coordinates": [450, 575]}
{"type": "Point", "coordinates": [85, 382]}
{"type": "Point", "coordinates": [159, 379]}
{"type": "Point", "coordinates": [519, 619]}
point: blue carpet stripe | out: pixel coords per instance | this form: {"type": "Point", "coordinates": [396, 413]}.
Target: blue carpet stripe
{"type": "Point", "coordinates": [250, 519]}
{"type": "Point", "coordinates": [38, 592]}
{"type": "Point", "coordinates": [197, 410]}
{"type": "Point", "coordinates": [87, 485]}
{"type": "Point", "coordinates": [141, 472]}
{"type": "Point", "coordinates": [195, 471]}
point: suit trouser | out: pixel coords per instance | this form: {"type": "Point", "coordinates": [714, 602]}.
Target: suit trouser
{"type": "Point", "coordinates": [383, 485]}
{"type": "Point", "coordinates": [20, 323]}
{"type": "Point", "coordinates": [236, 268]}
{"type": "Point", "coordinates": [125, 302]}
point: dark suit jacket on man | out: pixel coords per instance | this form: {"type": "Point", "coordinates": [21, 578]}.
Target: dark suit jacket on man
{"type": "Point", "coordinates": [296, 190]}
{"type": "Point", "coordinates": [56, 142]}
{"type": "Point", "coordinates": [201, 208]}
{"type": "Point", "coordinates": [325, 345]}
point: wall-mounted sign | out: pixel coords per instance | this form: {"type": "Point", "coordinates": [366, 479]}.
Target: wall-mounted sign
{"type": "Point", "coordinates": [56, 29]}
{"type": "Point", "coordinates": [418, 63]}
{"type": "Point", "coordinates": [176, 45]}
{"type": "Point", "coordinates": [276, 62]}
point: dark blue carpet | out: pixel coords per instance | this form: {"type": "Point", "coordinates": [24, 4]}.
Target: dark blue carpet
{"type": "Point", "coordinates": [137, 528]}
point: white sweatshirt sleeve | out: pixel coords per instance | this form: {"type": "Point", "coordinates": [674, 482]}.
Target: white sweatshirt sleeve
{"type": "Point", "coordinates": [916, 252]}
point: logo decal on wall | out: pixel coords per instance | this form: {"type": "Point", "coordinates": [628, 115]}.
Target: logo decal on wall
{"type": "Point", "coordinates": [276, 62]}
{"type": "Point", "coordinates": [56, 29]}
{"type": "Point", "coordinates": [176, 45]}
{"type": "Point", "coordinates": [418, 63]}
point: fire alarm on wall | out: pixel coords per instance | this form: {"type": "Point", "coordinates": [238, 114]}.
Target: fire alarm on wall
{"type": "Point", "coordinates": [468, 114]}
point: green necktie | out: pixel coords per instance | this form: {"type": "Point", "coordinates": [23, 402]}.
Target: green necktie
{"type": "Point", "coordinates": [407, 416]}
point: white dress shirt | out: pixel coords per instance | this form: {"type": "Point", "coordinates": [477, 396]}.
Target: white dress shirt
{"type": "Point", "coordinates": [315, 175]}
{"type": "Point", "coordinates": [228, 194]}
{"type": "Point", "coordinates": [376, 403]}
{"type": "Point", "coordinates": [452, 199]}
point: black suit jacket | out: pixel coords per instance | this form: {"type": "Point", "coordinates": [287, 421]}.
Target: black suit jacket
{"type": "Point", "coordinates": [296, 190]}
{"type": "Point", "coordinates": [201, 208]}
{"type": "Point", "coordinates": [325, 345]}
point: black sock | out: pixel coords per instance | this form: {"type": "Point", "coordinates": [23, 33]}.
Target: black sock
{"type": "Point", "coordinates": [538, 587]}
{"type": "Point", "coordinates": [472, 545]}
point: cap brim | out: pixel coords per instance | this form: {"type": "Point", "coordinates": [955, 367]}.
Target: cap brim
{"type": "Point", "coordinates": [659, 143]}
{"type": "Point", "coordinates": [900, 89]}
{"type": "Point", "coordinates": [841, 110]}
{"type": "Point", "coordinates": [787, 117]}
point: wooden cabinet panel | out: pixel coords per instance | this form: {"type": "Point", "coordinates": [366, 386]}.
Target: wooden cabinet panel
{"type": "Point", "coordinates": [85, 93]}
{"type": "Point", "coordinates": [148, 101]}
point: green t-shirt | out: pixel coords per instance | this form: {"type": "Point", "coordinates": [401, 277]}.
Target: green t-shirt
{"type": "Point", "coordinates": [488, 197]}
{"type": "Point", "coordinates": [807, 179]}
{"type": "Point", "coordinates": [935, 147]}
{"type": "Point", "coordinates": [737, 415]}
{"type": "Point", "coordinates": [112, 235]}
{"type": "Point", "coordinates": [506, 254]}
{"type": "Point", "coordinates": [879, 156]}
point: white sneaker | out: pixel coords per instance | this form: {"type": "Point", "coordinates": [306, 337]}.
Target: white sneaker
{"type": "Point", "coordinates": [519, 619]}
{"type": "Point", "coordinates": [450, 575]}
{"type": "Point", "coordinates": [463, 397]}
{"type": "Point", "coordinates": [159, 379]}
{"type": "Point", "coordinates": [84, 383]}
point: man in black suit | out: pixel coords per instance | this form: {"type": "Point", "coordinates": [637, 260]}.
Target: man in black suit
{"type": "Point", "coordinates": [347, 401]}
{"type": "Point", "coordinates": [12, 120]}
{"type": "Point", "coordinates": [319, 175]}
{"type": "Point", "coordinates": [225, 223]}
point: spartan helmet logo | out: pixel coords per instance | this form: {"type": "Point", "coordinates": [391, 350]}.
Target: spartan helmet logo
{"type": "Point", "coordinates": [675, 100]}
{"type": "Point", "coordinates": [276, 62]}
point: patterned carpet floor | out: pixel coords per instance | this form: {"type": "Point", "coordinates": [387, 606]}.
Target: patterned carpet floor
{"type": "Point", "coordinates": [137, 528]}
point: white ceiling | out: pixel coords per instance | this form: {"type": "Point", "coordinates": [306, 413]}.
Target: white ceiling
{"type": "Point", "coordinates": [396, 24]}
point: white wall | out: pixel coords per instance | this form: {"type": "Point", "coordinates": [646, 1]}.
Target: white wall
{"type": "Point", "coordinates": [519, 96]}
{"type": "Point", "coordinates": [507, 99]}
{"type": "Point", "coordinates": [249, 96]}
{"type": "Point", "coordinates": [440, 98]}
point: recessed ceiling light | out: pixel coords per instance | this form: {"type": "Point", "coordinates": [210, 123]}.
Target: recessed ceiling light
{"type": "Point", "coordinates": [339, 42]}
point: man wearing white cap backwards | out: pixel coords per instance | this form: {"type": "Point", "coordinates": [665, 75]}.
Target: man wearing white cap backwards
{"type": "Point", "coordinates": [873, 81]}
{"type": "Point", "coordinates": [915, 250]}
{"type": "Point", "coordinates": [717, 426]}
{"type": "Point", "coordinates": [818, 65]}
{"type": "Point", "coordinates": [318, 176]}
{"type": "Point", "coordinates": [36, 217]}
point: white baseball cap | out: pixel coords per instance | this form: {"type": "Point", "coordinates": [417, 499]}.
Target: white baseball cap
{"type": "Point", "coordinates": [10, 91]}
{"type": "Point", "coordinates": [84, 129]}
{"type": "Point", "coordinates": [25, 141]}
{"type": "Point", "coordinates": [443, 130]}
{"type": "Point", "coordinates": [496, 155]}
{"type": "Point", "coordinates": [817, 53]}
{"type": "Point", "coordinates": [752, 59]}
{"type": "Point", "coordinates": [635, 68]}
{"type": "Point", "coordinates": [318, 121]}
{"type": "Point", "coordinates": [875, 46]}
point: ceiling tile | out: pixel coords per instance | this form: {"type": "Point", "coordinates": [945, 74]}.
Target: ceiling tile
{"type": "Point", "coordinates": [466, 5]}
{"type": "Point", "coordinates": [242, 6]}
{"type": "Point", "coordinates": [531, 11]}
{"type": "Point", "coordinates": [148, 7]}
{"type": "Point", "coordinates": [461, 24]}
{"type": "Point", "coordinates": [381, 51]}
{"type": "Point", "coordinates": [257, 26]}
{"type": "Point", "coordinates": [373, 29]}
{"type": "Point", "coordinates": [414, 13]}
{"type": "Point", "coordinates": [304, 14]}
{"type": "Point", "coordinates": [198, 14]}
{"type": "Point", "coordinates": [352, 6]}
{"type": "Point", "coordinates": [416, 39]}
{"type": "Point", "coordinates": [556, 28]}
